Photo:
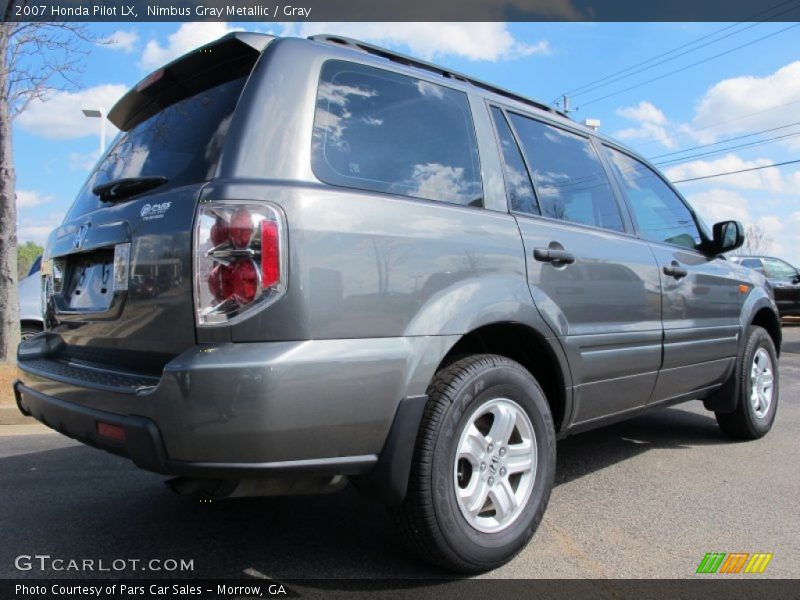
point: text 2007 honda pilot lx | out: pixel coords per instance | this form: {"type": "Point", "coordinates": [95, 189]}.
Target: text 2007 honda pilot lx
{"type": "Point", "coordinates": [304, 261]}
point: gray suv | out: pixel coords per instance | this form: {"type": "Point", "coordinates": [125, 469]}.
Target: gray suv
{"type": "Point", "coordinates": [308, 261]}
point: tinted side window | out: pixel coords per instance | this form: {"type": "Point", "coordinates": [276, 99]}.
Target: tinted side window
{"type": "Point", "coordinates": [661, 215]}
{"type": "Point", "coordinates": [386, 132]}
{"type": "Point", "coordinates": [570, 181]}
{"type": "Point", "coordinates": [518, 182]}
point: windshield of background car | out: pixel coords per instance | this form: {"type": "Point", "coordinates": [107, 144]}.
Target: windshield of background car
{"type": "Point", "coordinates": [777, 269]}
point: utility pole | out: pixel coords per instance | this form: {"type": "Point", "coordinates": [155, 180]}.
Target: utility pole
{"type": "Point", "coordinates": [564, 102]}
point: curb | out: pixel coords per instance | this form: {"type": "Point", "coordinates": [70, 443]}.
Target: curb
{"type": "Point", "coordinates": [10, 415]}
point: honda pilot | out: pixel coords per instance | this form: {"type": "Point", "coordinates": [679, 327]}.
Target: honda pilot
{"type": "Point", "coordinates": [305, 262]}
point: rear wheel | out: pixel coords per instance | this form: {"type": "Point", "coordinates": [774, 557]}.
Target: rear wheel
{"type": "Point", "coordinates": [758, 389]}
{"type": "Point", "coordinates": [483, 465]}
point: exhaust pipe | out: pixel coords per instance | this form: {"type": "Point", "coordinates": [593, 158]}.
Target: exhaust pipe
{"type": "Point", "coordinates": [219, 489]}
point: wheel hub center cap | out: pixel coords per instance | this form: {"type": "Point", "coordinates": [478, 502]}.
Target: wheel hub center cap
{"type": "Point", "coordinates": [494, 466]}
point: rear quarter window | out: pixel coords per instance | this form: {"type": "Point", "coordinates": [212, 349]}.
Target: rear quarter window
{"type": "Point", "coordinates": [386, 132]}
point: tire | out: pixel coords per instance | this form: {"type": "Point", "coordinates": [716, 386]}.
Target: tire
{"type": "Point", "coordinates": [753, 418]}
{"type": "Point", "coordinates": [437, 525]}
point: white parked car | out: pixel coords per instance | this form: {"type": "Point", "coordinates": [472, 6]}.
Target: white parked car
{"type": "Point", "coordinates": [30, 301]}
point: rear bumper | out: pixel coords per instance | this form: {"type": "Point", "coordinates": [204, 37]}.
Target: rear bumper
{"type": "Point", "coordinates": [145, 447]}
{"type": "Point", "coordinates": [233, 411]}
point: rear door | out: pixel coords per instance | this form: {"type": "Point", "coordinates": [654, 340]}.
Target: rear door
{"type": "Point", "coordinates": [701, 299]}
{"type": "Point", "coordinates": [596, 285]}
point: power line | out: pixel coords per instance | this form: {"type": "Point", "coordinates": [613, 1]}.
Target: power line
{"type": "Point", "coordinates": [578, 89]}
{"type": "Point", "coordinates": [624, 73]}
{"type": "Point", "coordinates": [780, 164]}
{"type": "Point", "coordinates": [738, 137]}
{"type": "Point", "coordinates": [685, 159]}
{"type": "Point", "coordinates": [717, 124]}
{"type": "Point", "coordinates": [602, 84]}
{"type": "Point", "coordinates": [699, 62]}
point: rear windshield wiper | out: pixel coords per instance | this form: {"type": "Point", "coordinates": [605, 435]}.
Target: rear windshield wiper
{"type": "Point", "coordinates": [118, 189]}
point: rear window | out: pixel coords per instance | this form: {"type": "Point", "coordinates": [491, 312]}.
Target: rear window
{"type": "Point", "coordinates": [385, 132]}
{"type": "Point", "coordinates": [183, 143]}
{"type": "Point", "coordinates": [570, 181]}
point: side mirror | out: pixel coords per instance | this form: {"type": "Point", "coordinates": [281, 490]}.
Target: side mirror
{"type": "Point", "coordinates": [728, 235]}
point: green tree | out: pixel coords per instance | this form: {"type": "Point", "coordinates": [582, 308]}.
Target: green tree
{"type": "Point", "coordinates": [26, 254]}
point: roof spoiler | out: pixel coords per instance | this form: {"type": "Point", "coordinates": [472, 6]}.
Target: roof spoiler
{"type": "Point", "coordinates": [231, 56]}
{"type": "Point", "coordinates": [421, 64]}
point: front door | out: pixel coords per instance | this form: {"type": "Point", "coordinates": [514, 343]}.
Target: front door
{"type": "Point", "coordinates": [701, 299]}
{"type": "Point", "coordinates": [785, 285]}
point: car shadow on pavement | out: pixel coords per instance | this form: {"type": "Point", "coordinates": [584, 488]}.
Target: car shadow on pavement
{"type": "Point", "coordinates": [790, 348]}
{"type": "Point", "coordinates": [76, 502]}
{"type": "Point", "coordinates": [669, 428]}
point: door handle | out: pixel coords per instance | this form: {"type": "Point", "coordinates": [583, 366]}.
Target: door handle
{"type": "Point", "coordinates": [553, 255]}
{"type": "Point", "coordinates": [675, 270]}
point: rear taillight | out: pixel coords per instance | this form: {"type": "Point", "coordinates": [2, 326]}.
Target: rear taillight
{"type": "Point", "coordinates": [239, 259]}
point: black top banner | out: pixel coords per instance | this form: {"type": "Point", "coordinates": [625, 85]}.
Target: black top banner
{"type": "Point", "coordinates": [399, 10]}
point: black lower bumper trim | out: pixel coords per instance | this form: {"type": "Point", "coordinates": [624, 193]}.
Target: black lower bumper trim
{"type": "Point", "coordinates": [144, 444]}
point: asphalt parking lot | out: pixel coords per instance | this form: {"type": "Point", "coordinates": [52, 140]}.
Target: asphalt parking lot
{"type": "Point", "coordinates": [641, 499]}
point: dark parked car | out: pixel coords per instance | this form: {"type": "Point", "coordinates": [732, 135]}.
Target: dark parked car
{"type": "Point", "coordinates": [783, 277]}
{"type": "Point", "coordinates": [386, 272]}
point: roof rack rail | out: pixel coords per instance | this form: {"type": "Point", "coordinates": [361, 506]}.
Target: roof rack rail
{"type": "Point", "coordinates": [421, 64]}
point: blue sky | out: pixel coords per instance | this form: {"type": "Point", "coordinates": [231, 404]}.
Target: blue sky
{"type": "Point", "coordinates": [755, 86]}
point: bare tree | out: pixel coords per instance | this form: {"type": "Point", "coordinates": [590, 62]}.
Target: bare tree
{"type": "Point", "coordinates": [756, 242]}
{"type": "Point", "coordinates": [36, 59]}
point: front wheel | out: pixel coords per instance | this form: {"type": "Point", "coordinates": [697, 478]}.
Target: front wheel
{"type": "Point", "coordinates": [758, 389]}
{"type": "Point", "coordinates": [483, 465]}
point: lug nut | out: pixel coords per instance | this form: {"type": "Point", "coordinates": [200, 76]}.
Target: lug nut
{"type": "Point", "coordinates": [502, 451]}
{"type": "Point", "coordinates": [483, 466]}
{"type": "Point", "coordinates": [491, 480]}
{"type": "Point", "coordinates": [503, 472]}
{"type": "Point", "coordinates": [490, 448]}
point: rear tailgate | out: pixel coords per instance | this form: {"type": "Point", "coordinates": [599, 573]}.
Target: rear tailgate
{"type": "Point", "coordinates": [118, 272]}
{"type": "Point", "coordinates": [137, 316]}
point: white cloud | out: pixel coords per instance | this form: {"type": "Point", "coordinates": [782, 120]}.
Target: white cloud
{"type": "Point", "coordinates": [122, 41]}
{"type": "Point", "coordinates": [474, 41]}
{"type": "Point", "coordinates": [652, 124]}
{"type": "Point", "coordinates": [59, 116]}
{"type": "Point", "coordinates": [644, 112]}
{"type": "Point", "coordinates": [733, 102]}
{"type": "Point", "coordinates": [188, 37]}
{"type": "Point", "coordinates": [37, 229]}
{"type": "Point", "coordinates": [29, 198]}
{"type": "Point", "coordinates": [719, 205]}
{"type": "Point", "coordinates": [769, 179]}
{"type": "Point", "coordinates": [79, 161]}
